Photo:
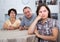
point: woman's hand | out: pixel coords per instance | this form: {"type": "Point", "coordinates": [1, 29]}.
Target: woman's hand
{"type": "Point", "coordinates": [37, 33]}
{"type": "Point", "coordinates": [10, 28]}
{"type": "Point", "coordinates": [38, 17]}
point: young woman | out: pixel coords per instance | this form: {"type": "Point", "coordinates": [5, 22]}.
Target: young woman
{"type": "Point", "coordinates": [45, 28]}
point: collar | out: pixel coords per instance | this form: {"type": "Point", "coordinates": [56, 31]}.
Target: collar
{"type": "Point", "coordinates": [45, 21]}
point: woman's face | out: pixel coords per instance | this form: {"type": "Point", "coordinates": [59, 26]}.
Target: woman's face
{"type": "Point", "coordinates": [44, 12]}
{"type": "Point", "coordinates": [12, 14]}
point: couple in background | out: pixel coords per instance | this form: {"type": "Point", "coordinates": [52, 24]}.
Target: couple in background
{"type": "Point", "coordinates": [12, 23]}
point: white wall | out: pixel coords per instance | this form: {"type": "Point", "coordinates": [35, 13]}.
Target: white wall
{"type": "Point", "coordinates": [17, 4]}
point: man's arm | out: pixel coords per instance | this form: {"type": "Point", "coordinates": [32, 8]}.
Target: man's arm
{"type": "Point", "coordinates": [22, 24]}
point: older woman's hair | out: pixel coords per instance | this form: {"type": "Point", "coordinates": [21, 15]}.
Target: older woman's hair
{"type": "Point", "coordinates": [39, 7]}
{"type": "Point", "coordinates": [12, 9]}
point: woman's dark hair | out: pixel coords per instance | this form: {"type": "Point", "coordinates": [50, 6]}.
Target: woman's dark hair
{"type": "Point", "coordinates": [12, 9]}
{"type": "Point", "coordinates": [38, 8]}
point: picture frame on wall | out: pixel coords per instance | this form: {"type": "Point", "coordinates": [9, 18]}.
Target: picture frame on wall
{"type": "Point", "coordinates": [48, 2]}
{"type": "Point", "coordinates": [38, 2]}
{"type": "Point", "coordinates": [52, 2]}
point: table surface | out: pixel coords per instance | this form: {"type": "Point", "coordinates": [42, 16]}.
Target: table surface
{"type": "Point", "coordinates": [14, 34]}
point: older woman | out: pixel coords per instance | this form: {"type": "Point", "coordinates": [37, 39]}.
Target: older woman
{"type": "Point", "coordinates": [45, 28]}
{"type": "Point", "coordinates": [12, 23]}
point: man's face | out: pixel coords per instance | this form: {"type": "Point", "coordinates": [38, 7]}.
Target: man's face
{"type": "Point", "coordinates": [27, 12]}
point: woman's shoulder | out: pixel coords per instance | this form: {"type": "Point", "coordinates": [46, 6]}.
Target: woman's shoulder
{"type": "Point", "coordinates": [17, 20]}
{"type": "Point", "coordinates": [51, 20]}
{"type": "Point", "coordinates": [7, 20]}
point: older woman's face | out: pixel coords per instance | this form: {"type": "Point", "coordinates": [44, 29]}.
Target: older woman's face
{"type": "Point", "coordinates": [44, 12]}
{"type": "Point", "coordinates": [12, 14]}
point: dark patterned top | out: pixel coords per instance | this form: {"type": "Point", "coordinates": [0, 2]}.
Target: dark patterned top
{"type": "Point", "coordinates": [46, 28]}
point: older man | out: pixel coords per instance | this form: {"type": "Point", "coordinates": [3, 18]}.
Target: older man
{"type": "Point", "coordinates": [27, 19]}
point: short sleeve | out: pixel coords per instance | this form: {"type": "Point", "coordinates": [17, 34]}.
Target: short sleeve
{"type": "Point", "coordinates": [19, 21]}
{"type": "Point", "coordinates": [34, 16]}
{"type": "Point", "coordinates": [56, 23]}
{"type": "Point", "coordinates": [7, 22]}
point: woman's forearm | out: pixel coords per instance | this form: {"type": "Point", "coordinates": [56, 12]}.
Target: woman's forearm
{"type": "Point", "coordinates": [53, 37]}
{"type": "Point", "coordinates": [5, 26]}
{"type": "Point", "coordinates": [32, 27]}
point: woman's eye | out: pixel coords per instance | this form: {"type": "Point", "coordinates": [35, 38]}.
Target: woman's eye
{"type": "Point", "coordinates": [40, 11]}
